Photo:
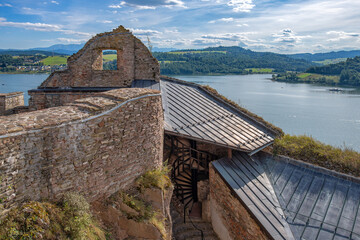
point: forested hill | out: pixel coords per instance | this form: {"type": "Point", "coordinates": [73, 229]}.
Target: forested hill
{"type": "Point", "coordinates": [323, 56]}
{"type": "Point", "coordinates": [226, 60]}
{"type": "Point", "coordinates": [349, 71]}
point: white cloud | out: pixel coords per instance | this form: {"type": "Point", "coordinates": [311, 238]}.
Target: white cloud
{"type": "Point", "coordinates": [71, 40]}
{"type": "Point", "coordinates": [288, 36]}
{"type": "Point", "coordinates": [145, 32]}
{"type": "Point", "coordinates": [104, 21]}
{"type": "Point", "coordinates": [120, 5]}
{"type": "Point", "coordinates": [43, 27]}
{"type": "Point", "coordinates": [341, 35]}
{"type": "Point", "coordinates": [241, 5]}
{"type": "Point", "coordinates": [223, 20]}
{"type": "Point", "coordinates": [5, 5]}
{"type": "Point", "coordinates": [146, 4]}
{"type": "Point", "coordinates": [55, 2]}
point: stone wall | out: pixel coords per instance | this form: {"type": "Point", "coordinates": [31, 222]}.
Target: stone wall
{"type": "Point", "coordinates": [134, 61]}
{"type": "Point", "coordinates": [9, 101]}
{"type": "Point", "coordinates": [229, 217]}
{"type": "Point", "coordinates": [40, 100]}
{"type": "Point", "coordinates": [94, 146]}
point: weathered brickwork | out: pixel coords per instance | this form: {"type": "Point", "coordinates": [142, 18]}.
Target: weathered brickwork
{"type": "Point", "coordinates": [233, 215]}
{"type": "Point", "coordinates": [94, 146]}
{"type": "Point", "coordinates": [9, 101]}
{"type": "Point", "coordinates": [134, 61]}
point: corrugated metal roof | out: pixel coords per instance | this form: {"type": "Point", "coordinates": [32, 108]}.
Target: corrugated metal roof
{"type": "Point", "coordinates": [250, 183]}
{"type": "Point", "coordinates": [317, 205]}
{"type": "Point", "coordinates": [191, 112]}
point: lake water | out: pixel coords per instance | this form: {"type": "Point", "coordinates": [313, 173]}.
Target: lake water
{"type": "Point", "coordinates": [331, 117]}
{"type": "Point", "coordinates": [20, 83]}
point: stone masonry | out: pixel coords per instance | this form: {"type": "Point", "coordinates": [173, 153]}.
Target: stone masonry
{"type": "Point", "coordinates": [94, 146]}
{"type": "Point", "coordinates": [134, 61]}
{"type": "Point", "coordinates": [9, 101]}
{"type": "Point", "coordinates": [229, 217]}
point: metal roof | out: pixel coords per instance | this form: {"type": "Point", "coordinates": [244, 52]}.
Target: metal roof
{"type": "Point", "coordinates": [315, 203]}
{"type": "Point", "coordinates": [251, 185]}
{"type": "Point", "coordinates": [191, 112]}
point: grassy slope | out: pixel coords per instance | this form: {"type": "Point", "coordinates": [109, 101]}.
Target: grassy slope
{"type": "Point", "coordinates": [56, 60]}
{"type": "Point", "coordinates": [109, 57]}
{"type": "Point", "coordinates": [310, 150]}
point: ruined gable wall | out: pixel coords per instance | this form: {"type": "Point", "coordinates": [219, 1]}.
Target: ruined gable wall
{"type": "Point", "coordinates": [94, 146]}
{"type": "Point", "coordinates": [85, 67]}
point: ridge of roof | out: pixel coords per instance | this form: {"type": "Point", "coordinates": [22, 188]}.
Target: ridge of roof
{"type": "Point", "coordinates": [276, 131]}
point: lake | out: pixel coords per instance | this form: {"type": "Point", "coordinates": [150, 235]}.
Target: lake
{"type": "Point", "coordinates": [331, 117]}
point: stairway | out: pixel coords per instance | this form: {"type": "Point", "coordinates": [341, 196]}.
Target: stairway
{"type": "Point", "coordinates": [190, 229]}
{"type": "Point", "coordinates": [189, 167]}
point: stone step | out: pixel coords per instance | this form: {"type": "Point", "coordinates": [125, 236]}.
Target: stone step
{"type": "Point", "coordinates": [184, 226]}
{"type": "Point", "coordinates": [209, 237]}
{"type": "Point", "coordinates": [192, 233]}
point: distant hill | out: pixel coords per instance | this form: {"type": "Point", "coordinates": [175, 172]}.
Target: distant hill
{"type": "Point", "coordinates": [324, 56]}
{"type": "Point", "coordinates": [14, 52]}
{"type": "Point", "coordinates": [67, 49]}
{"type": "Point", "coordinates": [226, 60]}
{"type": "Point", "coordinates": [342, 73]}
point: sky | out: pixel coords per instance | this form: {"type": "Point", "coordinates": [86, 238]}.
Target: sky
{"type": "Point", "coordinates": [282, 26]}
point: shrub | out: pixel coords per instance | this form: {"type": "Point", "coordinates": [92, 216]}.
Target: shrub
{"type": "Point", "coordinates": [155, 178]}
{"type": "Point", "coordinates": [71, 219]}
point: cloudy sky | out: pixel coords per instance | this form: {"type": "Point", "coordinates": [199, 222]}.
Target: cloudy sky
{"type": "Point", "coordinates": [284, 26]}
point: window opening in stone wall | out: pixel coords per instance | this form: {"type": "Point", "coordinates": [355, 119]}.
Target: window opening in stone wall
{"type": "Point", "coordinates": [109, 59]}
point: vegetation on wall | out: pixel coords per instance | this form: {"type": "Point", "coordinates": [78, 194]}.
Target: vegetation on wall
{"type": "Point", "coordinates": [69, 219]}
{"type": "Point", "coordinates": [307, 149]}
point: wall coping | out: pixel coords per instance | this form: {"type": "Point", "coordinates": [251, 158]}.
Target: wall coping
{"type": "Point", "coordinates": [82, 110]}
{"type": "Point", "coordinates": [12, 94]}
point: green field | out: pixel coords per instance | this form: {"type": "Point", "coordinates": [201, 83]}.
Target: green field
{"type": "Point", "coordinates": [314, 77]}
{"type": "Point", "coordinates": [331, 61]}
{"type": "Point", "coordinates": [259, 70]}
{"type": "Point", "coordinates": [171, 61]}
{"type": "Point", "coordinates": [56, 60]}
{"type": "Point", "coordinates": [109, 57]}
{"type": "Point", "coordinates": [192, 52]}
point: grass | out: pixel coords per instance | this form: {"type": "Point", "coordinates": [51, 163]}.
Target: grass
{"type": "Point", "coordinates": [56, 60]}
{"type": "Point", "coordinates": [259, 70]}
{"type": "Point", "coordinates": [157, 178]}
{"type": "Point", "coordinates": [171, 61]}
{"type": "Point", "coordinates": [304, 75]}
{"type": "Point", "coordinates": [277, 130]}
{"type": "Point", "coordinates": [331, 61]}
{"type": "Point", "coordinates": [109, 57]}
{"type": "Point", "coordinates": [307, 149]}
{"type": "Point", "coordinates": [145, 212]}
{"type": "Point", "coordinates": [194, 52]}
{"type": "Point", "coordinates": [69, 219]}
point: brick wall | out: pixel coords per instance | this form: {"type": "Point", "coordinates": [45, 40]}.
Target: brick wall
{"type": "Point", "coordinates": [229, 217]}
{"type": "Point", "coordinates": [9, 101]}
{"type": "Point", "coordinates": [94, 146]}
